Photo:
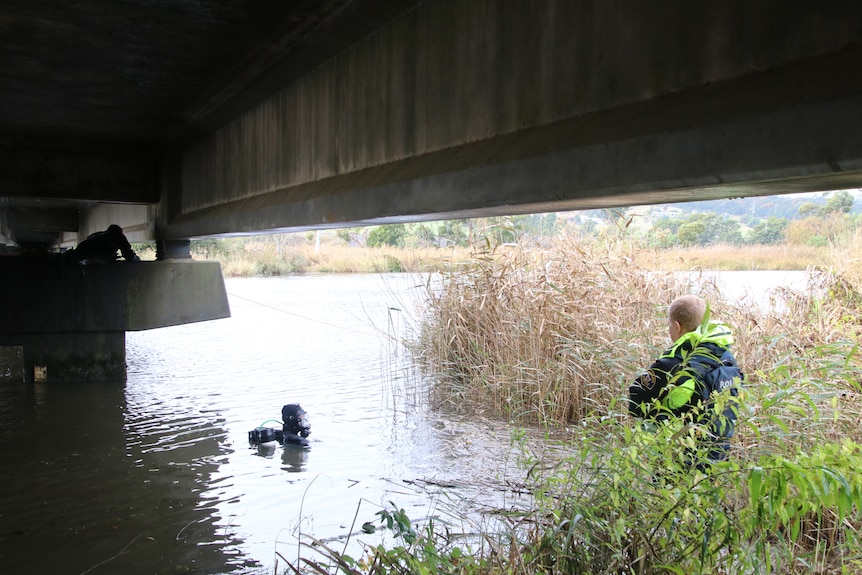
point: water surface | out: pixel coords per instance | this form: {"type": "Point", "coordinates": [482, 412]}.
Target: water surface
{"type": "Point", "coordinates": [155, 475]}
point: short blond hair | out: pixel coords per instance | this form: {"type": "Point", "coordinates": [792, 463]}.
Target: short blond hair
{"type": "Point", "coordinates": [688, 310]}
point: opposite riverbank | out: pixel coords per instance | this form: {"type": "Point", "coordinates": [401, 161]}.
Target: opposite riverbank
{"type": "Point", "coordinates": [266, 257]}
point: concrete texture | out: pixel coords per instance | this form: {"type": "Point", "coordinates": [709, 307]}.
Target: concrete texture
{"type": "Point", "coordinates": [72, 319]}
{"type": "Point", "coordinates": [488, 107]}
{"type": "Point", "coordinates": [253, 116]}
{"type": "Point", "coordinates": [63, 357]}
{"type": "Point", "coordinates": [93, 94]}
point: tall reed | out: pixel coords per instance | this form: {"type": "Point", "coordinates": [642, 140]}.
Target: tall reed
{"type": "Point", "coordinates": [545, 335]}
{"type": "Point", "coordinates": [552, 335]}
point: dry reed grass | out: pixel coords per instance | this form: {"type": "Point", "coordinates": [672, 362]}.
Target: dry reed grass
{"type": "Point", "coordinates": [556, 336]}
{"type": "Point", "coordinates": [553, 335]}
{"type": "Point", "coordinates": [546, 336]}
{"type": "Point", "coordinates": [734, 258]}
{"type": "Point", "coordinates": [269, 259]}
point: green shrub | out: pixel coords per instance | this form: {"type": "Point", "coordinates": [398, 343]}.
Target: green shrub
{"type": "Point", "coordinates": [818, 242]}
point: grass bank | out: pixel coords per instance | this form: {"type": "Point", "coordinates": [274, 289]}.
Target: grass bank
{"type": "Point", "coordinates": [784, 257]}
{"type": "Point", "coordinates": [298, 255]}
{"type": "Point", "coordinates": [552, 337]}
{"type": "Point", "coordinates": [268, 258]}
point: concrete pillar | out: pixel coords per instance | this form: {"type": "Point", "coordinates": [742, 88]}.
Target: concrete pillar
{"type": "Point", "coordinates": [84, 356]}
{"type": "Point", "coordinates": [60, 321]}
{"type": "Point", "coordinates": [11, 364]}
{"type": "Point", "coordinates": [173, 250]}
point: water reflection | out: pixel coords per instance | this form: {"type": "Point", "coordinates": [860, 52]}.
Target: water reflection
{"type": "Point", "coordinates": [294, 458]}
{"type": "Point", "coordinates": [266, 450]}
{"type": "Point", "coordinates": [89, 486]}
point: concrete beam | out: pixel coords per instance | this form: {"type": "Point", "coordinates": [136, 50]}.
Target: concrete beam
{"type": "Point", "coordinates": [512, 106]}
{"type": "Point", "coordinates": [71, 319]}
{"type": "Point", "coordinates": [790, 150]}
{"type": "Point", "coordinates": [49, 167]}
{"type": "Point", "coordinates": [38, 223]}
{"type": "Point", "coordinates": [135, 219]}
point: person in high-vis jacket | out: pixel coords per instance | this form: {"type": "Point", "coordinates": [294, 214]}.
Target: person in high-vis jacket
{"type": "Point", "coordinates": [681, 385]}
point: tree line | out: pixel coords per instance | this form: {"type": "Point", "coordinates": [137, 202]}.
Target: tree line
{"type": "Point", "coordinates": [803, 220]}
{"type": "Point", "coordinates": [808, 220]}
{"type": "Point", "coordinates": [815, 223]}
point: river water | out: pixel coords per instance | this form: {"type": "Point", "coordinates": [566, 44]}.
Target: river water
{"type": "Point", "coordinates": [156, 475]}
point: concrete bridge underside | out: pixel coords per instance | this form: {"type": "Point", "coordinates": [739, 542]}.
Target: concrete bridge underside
{"type": "Point", "coordinates": [349, 112]}
{"type": "Point", "coordinates": [469, 108]}
{"type": "Point", "coordinates": [180, 120]}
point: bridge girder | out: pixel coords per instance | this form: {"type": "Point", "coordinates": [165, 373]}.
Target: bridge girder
{"type": "Point", "coordinates": [248, 116]}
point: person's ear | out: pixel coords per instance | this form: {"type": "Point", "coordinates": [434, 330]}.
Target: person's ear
{"type": "Point", "coordinates": [675, 330]}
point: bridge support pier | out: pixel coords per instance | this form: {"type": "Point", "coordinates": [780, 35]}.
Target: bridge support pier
{"type": "Point", "coordinates": [84, 356]}
{"type": "Point", "coordinates": [63, 322]}
{"type": "Point", "coordinates": [173, 250]}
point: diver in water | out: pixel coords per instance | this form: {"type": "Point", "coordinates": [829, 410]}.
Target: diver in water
{"type": "Point", "coordinates": [296, 426]}
{"type": "Point", "coordinates": [294, 431]}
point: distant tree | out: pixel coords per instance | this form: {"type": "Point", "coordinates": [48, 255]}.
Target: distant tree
{"type": "Point", "coordinates": [454, 232]}
{"type": "Point", "coordinates": [749, 220]}
{"type": "Point", "coordinates": [691, 232]}
{"type": "Point", "coordinates": [721, 229]}
{"type": "Point", "coordinates": [800, 232]}
{"type": "Point", "coordinates": [389, 235]}
{"type": "Point", "coordinates": [621, 217]}
{"type": "Point", "coordinates": [808, 209]}
{"type": "Point", "coordinates": [587, 226]}
{"type": "Point", "coordinates": [840, 202]}
{"type": "Point", "coordinates": [497, 230]}
{"type": "Point", "coordinates": [420, 235]}
{"type": "Point", "coordinates": [769, 232]}
{"type": "Point", "coordinates": [538, 225]}
{"type": "Point", "coordinates": [350, 235]}
{"type": "Point", "coordinates": [664, 232]}
{"type": "Point", "coordinates": [671, 225]}
{"type": "Point", "coordinates": [709, 228]}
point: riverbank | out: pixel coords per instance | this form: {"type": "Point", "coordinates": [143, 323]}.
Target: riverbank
{"type": "Point", "coordinates": [554, 337]}
{"type": "Point", "coordinates": [782, 257]}
{"type": "Point", "coordinates": [265, 257]}
{"type": "Point", "coordinates": [550, 335]}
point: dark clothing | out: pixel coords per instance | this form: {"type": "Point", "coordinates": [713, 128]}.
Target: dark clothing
{"type": "Point", "coordinates": [681, 383]}
{"type": "Point", "coordinates": [103, 247]}
{"type": "Point", "coordinates": [296, 427]}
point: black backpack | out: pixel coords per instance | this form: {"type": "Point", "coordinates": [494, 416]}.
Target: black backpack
{"type": "Point", "coordinates": [714, 373]}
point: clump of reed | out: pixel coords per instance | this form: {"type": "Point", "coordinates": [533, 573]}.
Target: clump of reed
{"type": "Point", "coordinates": [544, 335]}
{"type": "Point", "coordinates": [556, 334]}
